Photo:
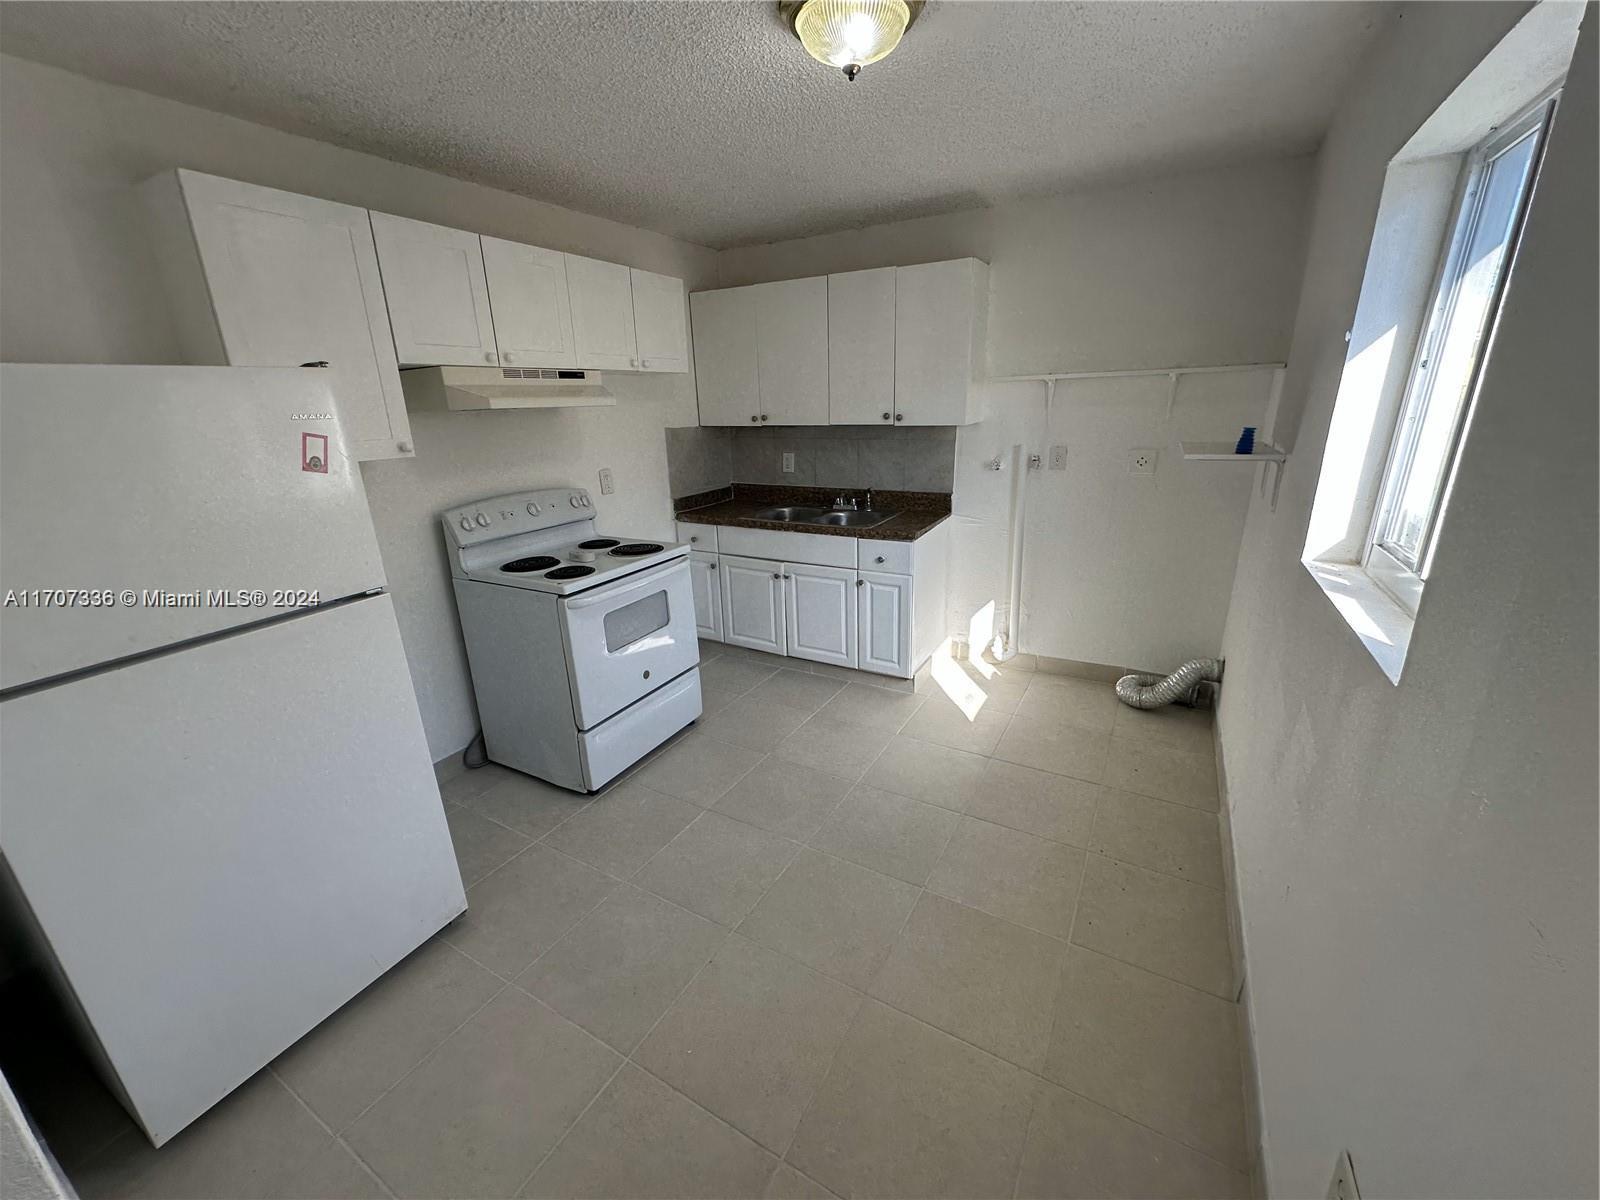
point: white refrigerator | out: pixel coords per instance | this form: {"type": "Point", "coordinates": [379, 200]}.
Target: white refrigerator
{"type": "Point", "coordinates": [218, 817]}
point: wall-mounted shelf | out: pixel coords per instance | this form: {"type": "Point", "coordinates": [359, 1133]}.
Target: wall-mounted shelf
{"type": "Point", "coordinates": [1223, 452]}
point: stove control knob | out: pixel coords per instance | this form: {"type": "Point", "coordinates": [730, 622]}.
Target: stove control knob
{"type": "Point", "coordinates": [483, 521]}
{"type": "Point", "coordinates": [587, 503]}
{"type": "Point", "coordinates": [466, 523]}
{"type": "Point", "coordinates": [533, 510]}
{"type": "Point", "coordinates": [573, 500]}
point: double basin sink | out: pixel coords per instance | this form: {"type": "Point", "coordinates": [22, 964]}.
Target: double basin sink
{"type": "Point", "coordinates": [850, 518]}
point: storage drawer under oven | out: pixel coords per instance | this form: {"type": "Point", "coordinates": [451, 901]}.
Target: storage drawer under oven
{"type": "Point", "coordinates": [626, 639]}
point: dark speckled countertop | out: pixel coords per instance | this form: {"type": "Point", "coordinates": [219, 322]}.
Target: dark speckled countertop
{"type": "Point", "coordinates": [915, 512]}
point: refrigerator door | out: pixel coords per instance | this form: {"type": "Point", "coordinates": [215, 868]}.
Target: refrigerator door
{"type": "Point", "coordinates": [247, 834]}
{"type": "Point", "coordinates": [168, 483]}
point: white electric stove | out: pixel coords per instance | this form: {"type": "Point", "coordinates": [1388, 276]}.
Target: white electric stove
{"type": "Point", "coordinates": [582, 645]}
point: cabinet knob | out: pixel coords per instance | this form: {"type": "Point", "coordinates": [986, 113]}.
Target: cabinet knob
{"type": "Point", "coordinates": [862, 582]}
{"type": "Point", "coordinates": [713, 566]}
{"type": "Point", "coordinates": [490, 356]}
{"type": "Point", "coordinates": [507, 358]}
{"type": "Point", "coordinates": [886, 416]}
{"type": "Point", "coordinates": [320, 362]}
{"type": "Point", "coordinates": [753, 417]}
{"type": "Point", "coordinates": [899, 416]}
{"type": "Point", "coordinates": [633, 362]}
{"type": "Point", "coordinates": [694, 537]}
{"type": "Point", "coordinates": [403, 447]}
{"type": "Point", "coordinates": [878, 559]}
{"type": "Point", "coordinates": [775, 575]}
{"type": "Point", "coordinates": [763, 416]}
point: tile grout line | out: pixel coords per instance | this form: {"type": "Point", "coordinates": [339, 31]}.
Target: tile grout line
{"type": "Point", "coordinates": [333, 1134]}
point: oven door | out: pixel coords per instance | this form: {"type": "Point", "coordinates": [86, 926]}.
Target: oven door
{"type": "Point", "coordinates": [626, 639]}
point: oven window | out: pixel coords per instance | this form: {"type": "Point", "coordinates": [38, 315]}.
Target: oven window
{"type": "Point", "coordinates": [628, 624]}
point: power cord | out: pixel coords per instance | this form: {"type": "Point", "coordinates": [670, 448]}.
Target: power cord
{"type": "Point", "coordinates": [483, 757]}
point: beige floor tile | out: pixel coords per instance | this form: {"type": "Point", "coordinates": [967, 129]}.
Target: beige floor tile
{"type": "Point", "coordinates": [1029, 880]}
{"type": "Point", "coordinates": [751, 1039]}
{"type": "Point", "coordinates": [528, 805]}
{"type": "Point", "coordinates": [731, 672]}
{"type": "Point", "coordinates": [961, 685]}
{"type": "Point", "coordinates": [523, 909]}
{"type": "Point", "coordinates": [1038, 802]}
{"type": "Point", "coordinates": [1187, 729]}
{"type": "Point", "coordinates": [757, 724]}
{"type": "Point", "coordinates": [476, 1117]}
{"type": "Point", "coordinates": [1158, 834]}
{"type": "Point", "coordinates": [797, 689]}
{"type": "Point", "coordinates": [832, 915]}
{"type": "Point", "coordinates": [709, 650]}
{"type": "Point", "coordinates": [619, 968]}
{"type": "Point", "coordinates": [985, 980]}
{"type": "Point", "coordinates": [886, 832]}
{"type": "Point", "coordinates": [621, 830]}
{"type": "Point", "coordinates": [1154, 1050]}
{"type": "Point", "coordinates": [714, 699]}
{"type": "Point", "coordinates": [1081, 702]}
{"type": "Point", "coordinates": [784, 797]}
{"type": "Point", "coordinates": [465, 784]}
{"type": "Point", "coordinates": [259, 1141]}
{"type": "Point", "coordinates": [838, 749]}
{"type": "Point", "coordinates": [481, 844]}
{"type": "Point", "coordinates": [949, 726]}
{"type": "Point", "coordinates": [699, 769]}
{"type": "Point", "coordinates": [1155, 770]}
{"type": "Point", "coordinates": [908, 1111]}
{"type": "Point", "coordinates": [879, 708]}
{"type": "Point", "coordinates": [926, 772]}
{"type": "Point", "coordinates": [356, 1055]}
{"type": "Point", "coordinates": [641, 1140]}
{"type": "Point", "coordinates": [788, 1184]}
{"type": "Point", "coordinates": [1077, 1148]}
{"type": "Point", "coordinates": [718, 867]}
{"type": "Point", "coordinates": [1051, 745]}
{"type": "Point", "coordinates": [1154, 921]}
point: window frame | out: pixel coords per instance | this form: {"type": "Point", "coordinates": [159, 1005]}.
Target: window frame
{"type": "Point", "coordinates": [1402, 581]}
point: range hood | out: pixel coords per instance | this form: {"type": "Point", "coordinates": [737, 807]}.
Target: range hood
{"type": "Point", "coordinates": [474, 389]}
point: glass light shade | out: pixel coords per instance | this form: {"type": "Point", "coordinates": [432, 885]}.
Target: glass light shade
{"type": "Point", "coordinates": [846, 33]}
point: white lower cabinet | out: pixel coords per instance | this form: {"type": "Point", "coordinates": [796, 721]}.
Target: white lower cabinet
{"type": "Point", "coordinates": [883, 619]}
{"type": "Point", "coordinates": [752, 603]}
{"type": "Point", "coordinates": [819, 607]}
{"type": "Point", "coordinates": [705, 575]}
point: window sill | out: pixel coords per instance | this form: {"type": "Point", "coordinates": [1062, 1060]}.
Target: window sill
{"type": "Point", "coordinates": [1373, 616]}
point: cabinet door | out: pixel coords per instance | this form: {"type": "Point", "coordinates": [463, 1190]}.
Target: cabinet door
{"type": "Point", "coordinates": [725, 356]}
{"type": "Point", "coordinates": [294, 280]}
{"type": "Point", "coordinates": [705, 575]}
{"type": "Point", "coordinates": [602, 314]}
{"type": "Point", "coordinates": [935, 325]}
{"type": "Point", "coordinates": [820, 613]}
{"type": "Point", "coordinates": [528, 296]}
{"type": "Point", "coordinates": [861, 347]}
{"type": "Point", "coordinates": [659, 321]}
{"type": "Point", "coordinates": [752, 603]}
{"type": "Point", "coordinates": [438, 298]}
{"type": "Point", "coordinates": [792, 351]}
{"type": "Point", "coordinates": [883, 604]}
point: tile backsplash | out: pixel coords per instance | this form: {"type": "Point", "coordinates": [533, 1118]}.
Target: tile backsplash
{"type": "Point", "coordinates": [919, 459]}
{"type": "Point", "coordinates": [699, 459]}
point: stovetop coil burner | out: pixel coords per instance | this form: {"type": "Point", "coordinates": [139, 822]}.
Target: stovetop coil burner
{"type": "Point", "coordinates": [635, 549]}
{"type": "Point", "coordinates": [597, 544]}
{"type": "Point", "coordinates": [538, 562]}
{"type": "Point", "coordinates": [569, 573]}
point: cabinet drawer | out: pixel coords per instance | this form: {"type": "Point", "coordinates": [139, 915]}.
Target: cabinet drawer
{"type": "Point", "coordinates": [824, 550]}
{"type": "Point", "coordinates": [894, 557]}
{"type": "Point", "coordinates": [701, 537]}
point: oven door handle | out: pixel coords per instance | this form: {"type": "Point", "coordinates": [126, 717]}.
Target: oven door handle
{"type": "Point", "coordinates": [640, 582]}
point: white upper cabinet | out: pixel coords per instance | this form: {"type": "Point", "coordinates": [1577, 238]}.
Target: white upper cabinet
{"type": "Point", "coordinates": [528, 296]}
{"type": "Point", "coordinates": [602, 314]}
{"type": "Point", "coordinates": [660, 321]}
{"type": "Point", "coordinates": [438, 297]}
{"type": "Point", "coordinates": [861, 307]}
{"type": "Point", "coordinates": [725, 356]}
{"type": "Point", "coordinates": [792, 351]}
{"type": "Point", "coordinates": [940, 327]}
{"type": "Point", "coordinates": [263, 278]}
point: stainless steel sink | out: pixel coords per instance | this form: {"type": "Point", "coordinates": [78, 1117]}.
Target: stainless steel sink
{"type": "Point", "coordinates": [864, 518]}
{"type": "Point", "coordinates": [790, 512]}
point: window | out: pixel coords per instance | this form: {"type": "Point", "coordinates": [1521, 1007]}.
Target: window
{"type": "Point", "coordinates": [1437, 405]}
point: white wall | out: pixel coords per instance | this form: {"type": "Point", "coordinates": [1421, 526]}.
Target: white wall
{"type": "Point", "coordinates": [80, 285]}
{"type": "Point", "coordinates": [1188, 270]}
{"type": "Point", "coordinates": [1417, 863]}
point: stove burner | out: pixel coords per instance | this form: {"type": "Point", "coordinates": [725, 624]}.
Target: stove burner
{"type": "Point", "coordinates": [538, 562]}
{"type": "Point", "coordinates": [597, 544]}
{"type": "Point", "coordinates": [569, 573]}
{"type": "Point", "coordinates": [635, 549]}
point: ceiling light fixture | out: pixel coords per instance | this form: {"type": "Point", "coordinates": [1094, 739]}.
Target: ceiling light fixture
{"type": "Point", "coordinates": [849, 34]}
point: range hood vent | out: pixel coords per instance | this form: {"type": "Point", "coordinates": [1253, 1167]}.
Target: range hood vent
{"type": "Point", "coordinates": [475, 389]}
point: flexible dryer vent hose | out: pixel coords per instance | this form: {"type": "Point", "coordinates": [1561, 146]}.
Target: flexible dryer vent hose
{"type": "Point", "coordinates": [1152, 691]}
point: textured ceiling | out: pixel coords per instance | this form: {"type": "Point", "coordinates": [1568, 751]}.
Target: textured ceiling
{"type": "Point", "coordinates": [709, 122]}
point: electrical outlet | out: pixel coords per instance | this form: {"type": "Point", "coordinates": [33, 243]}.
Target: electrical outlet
{"type": "Point", "coordinates": [1058, 458]}
{"type": "Point", "coordinates": [1343, 1184]}
{"type": "Point", "coordinates": [788, 463]}
{"type": "Point", "coordinates": [1142, 460]}
{"type": "Point", "coordinates": [607, 483]}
